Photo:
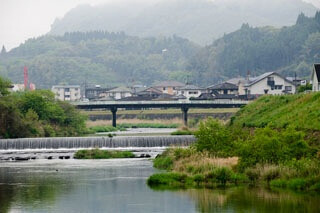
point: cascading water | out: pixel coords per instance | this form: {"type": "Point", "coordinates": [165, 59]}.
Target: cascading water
{"type": "Point", "coordinates": [91, 142]}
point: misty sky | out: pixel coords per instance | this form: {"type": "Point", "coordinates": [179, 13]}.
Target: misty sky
{"type": "Point", "coordinates": [23, 19]}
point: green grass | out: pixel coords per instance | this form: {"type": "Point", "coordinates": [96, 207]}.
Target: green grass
{"type": "Point", "coordinates": [182, 132]}
{"type": "Point", "coordinates": [102, 154]}
{"type": "Point", "coordinates": [301, 111]}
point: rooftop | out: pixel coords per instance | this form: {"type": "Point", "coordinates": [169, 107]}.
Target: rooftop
{"type": "Point", "coordinates": [224, 85]}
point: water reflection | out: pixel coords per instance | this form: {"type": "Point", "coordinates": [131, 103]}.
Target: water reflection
{"type": "Point", "coordinates": [246, 199]}
{"type": "Point", "coordinates": [120, 186]}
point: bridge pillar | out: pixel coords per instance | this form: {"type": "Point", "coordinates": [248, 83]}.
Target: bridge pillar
{"type": "Point", "coordinates": [185, 115]}
{"type": "Point", "coordinates": [114, 116]}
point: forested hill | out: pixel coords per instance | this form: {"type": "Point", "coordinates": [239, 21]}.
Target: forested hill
{"type": "Point", "coordinates": [111, 59]}
{"type": "Point", "coordinates": [200, 21]}
{"type": "Point", "coordinates": [103, 58]}
{"type": "Point", "coordinates": [258, 50]}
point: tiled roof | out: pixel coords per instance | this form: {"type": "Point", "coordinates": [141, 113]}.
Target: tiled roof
{"type": "Point", "coordinates": [121, 89]}
{"type": "Point", "coordinates": [224, 85]}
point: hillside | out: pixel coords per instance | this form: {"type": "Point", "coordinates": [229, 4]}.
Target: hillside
{"type": "Point", "coordinates": [301, 111]}
{"type": "Point", "coordinates": [108, 59]}
{"type": "Point", "coordinates": [258, 50]}
{"type": "Point", "coordinates": [200, 21]}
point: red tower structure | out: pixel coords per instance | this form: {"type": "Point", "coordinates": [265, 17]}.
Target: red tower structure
{"type": "Point", "coordinates": [25, 72]}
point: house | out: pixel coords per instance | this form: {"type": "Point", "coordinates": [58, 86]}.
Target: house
{"type": "Point", "coordinates": [149, 92]}
{"type": "Point", "coordinates": [224, 88]}
{"type": "Point", "coordinates": [315, 78]}
{"type": "Point", "coordinates": [94, 92]}
{"type": "Point", "coordinates": [169, 87]}
{"type": "Point", "coordinates": [190, 91]}
{"type": "Point", "coordinates": [267, 83]}
{"type": "Point", "coordinates": [118, 93]}
{"type": "Point", "coordinates": [67, 93]}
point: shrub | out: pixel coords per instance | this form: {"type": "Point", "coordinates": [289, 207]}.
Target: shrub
{"type": "Point", "coordinates": [169, 179]}
{"type": "Point", "coordinates": [297, 184]}
{"type": "Point", "coordinates": [214, 137]}
{"type": "Point", "coordinates": [253, 174]}
{"type": "Point", "coordinates": [198, 178]}
{"type": "Point", "coordinates": [271, 173]}
{"type": "Point", "coordinates": [223, 175]}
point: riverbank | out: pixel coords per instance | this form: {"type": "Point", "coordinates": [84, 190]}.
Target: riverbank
{"type": "Point", "coordinates": [273, 151]}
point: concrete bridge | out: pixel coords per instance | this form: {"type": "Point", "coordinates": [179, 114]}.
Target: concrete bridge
{"type": "Point", "coordinates": [184, 105]}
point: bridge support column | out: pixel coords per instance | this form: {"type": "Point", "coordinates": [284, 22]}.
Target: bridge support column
{"type": "Point", "coordinates": [114, 117]}
{"type": "Point", "coordinates": [185, 115]}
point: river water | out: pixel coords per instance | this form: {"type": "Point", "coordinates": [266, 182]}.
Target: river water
{"type": "Point", "coordinates": [119, 185]}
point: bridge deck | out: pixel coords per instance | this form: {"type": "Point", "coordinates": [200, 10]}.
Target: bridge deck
{"type": "Point", "coordinates": [160, 104]}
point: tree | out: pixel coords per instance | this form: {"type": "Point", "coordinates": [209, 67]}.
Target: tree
{"type": "Point", "coordinates": [4, 85]}
{"type": "Point", "coordinates": [3, 51]}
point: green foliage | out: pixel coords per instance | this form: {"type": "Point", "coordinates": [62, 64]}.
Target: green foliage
{"type": "Point", "coordinates": [170, 179]}
{"type": "Point", "coordinates": [182, 132]}
{"type": "Point", "coordinates": [214, 137]}
{"type": "Point", "coordinates": [102, 154]}
{"type": "Point", "coordinates": [4, 86]}
{"type": "Point", "coordinates": [299, 111]}
{"type": "Point", "coordinates": [163, 163]}
{"type": "Point", "coordinates": [288, 50]}
{"type": "Point", "coordinates": [304, 88]}
{"type": "Point", "coordinates": [98, 57]}
{"type": "Point", "coordinates": [269, 146]}
{"type": "Point", "coordinates": [37, 114]}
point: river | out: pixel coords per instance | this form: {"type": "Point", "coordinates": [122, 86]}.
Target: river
{"type": "Point", "coordinates": [119, 185]}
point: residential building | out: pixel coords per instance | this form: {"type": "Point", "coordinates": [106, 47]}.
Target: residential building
{"type": "Point", "coordinates": [67, 92]}
{"type": "Point", "coordinates": [169, 87]}
{"type": "Point", "coordinates": [118, 93]}
{"type": "Point", "coordinates": [224, 88]}
{"type": "Point", "coordinates": [268, 83]}
{"type": "Point", "coordinates": [190, 91]}
{"type": "Point", "coordinates": [315, 78]}
{"type": "Point", "coordinates": [94, 92]}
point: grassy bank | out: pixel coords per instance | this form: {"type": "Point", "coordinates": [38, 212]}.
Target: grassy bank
{"type": "Point", "coordinates": [268, 153]}
{"type": "Point", "coordinates": [300, 111]}
{"type": "Point", "coordinates": [102, 154]}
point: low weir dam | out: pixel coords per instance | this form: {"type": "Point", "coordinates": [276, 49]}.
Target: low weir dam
{"type": "Point", "coordinates": [92, 142]}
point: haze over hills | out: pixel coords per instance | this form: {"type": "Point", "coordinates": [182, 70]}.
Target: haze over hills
{"type": "Point", "coordinates": [201, 21]}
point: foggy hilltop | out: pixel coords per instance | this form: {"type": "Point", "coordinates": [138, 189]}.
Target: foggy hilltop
{"type": "Point", "coordinates": [201, 21]}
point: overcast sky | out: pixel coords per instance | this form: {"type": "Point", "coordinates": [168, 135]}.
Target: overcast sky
{"type": "Point", "coordinates": [23, 19]}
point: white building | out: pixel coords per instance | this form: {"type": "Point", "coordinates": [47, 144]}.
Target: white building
{"type": "Point", "coordinates": [268, 83]}
{"type": "Point", "coordinates": [67, 93]}
{"type": "Point", "coordinates": [190, 91]}
{"type": "Point", "coordinates": [315, 78]}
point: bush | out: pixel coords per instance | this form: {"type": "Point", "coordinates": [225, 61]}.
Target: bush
{"type": "Point", "coordinates": [168, 179]}
{"type": "Point", "coordinates": [214, 137]}
{"type": "Point", "coordinates": [297, 184]}
{"type": "Point", "coordinates": [253, 174]}
{"type": "Point", "coordinates": [182, 132]}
